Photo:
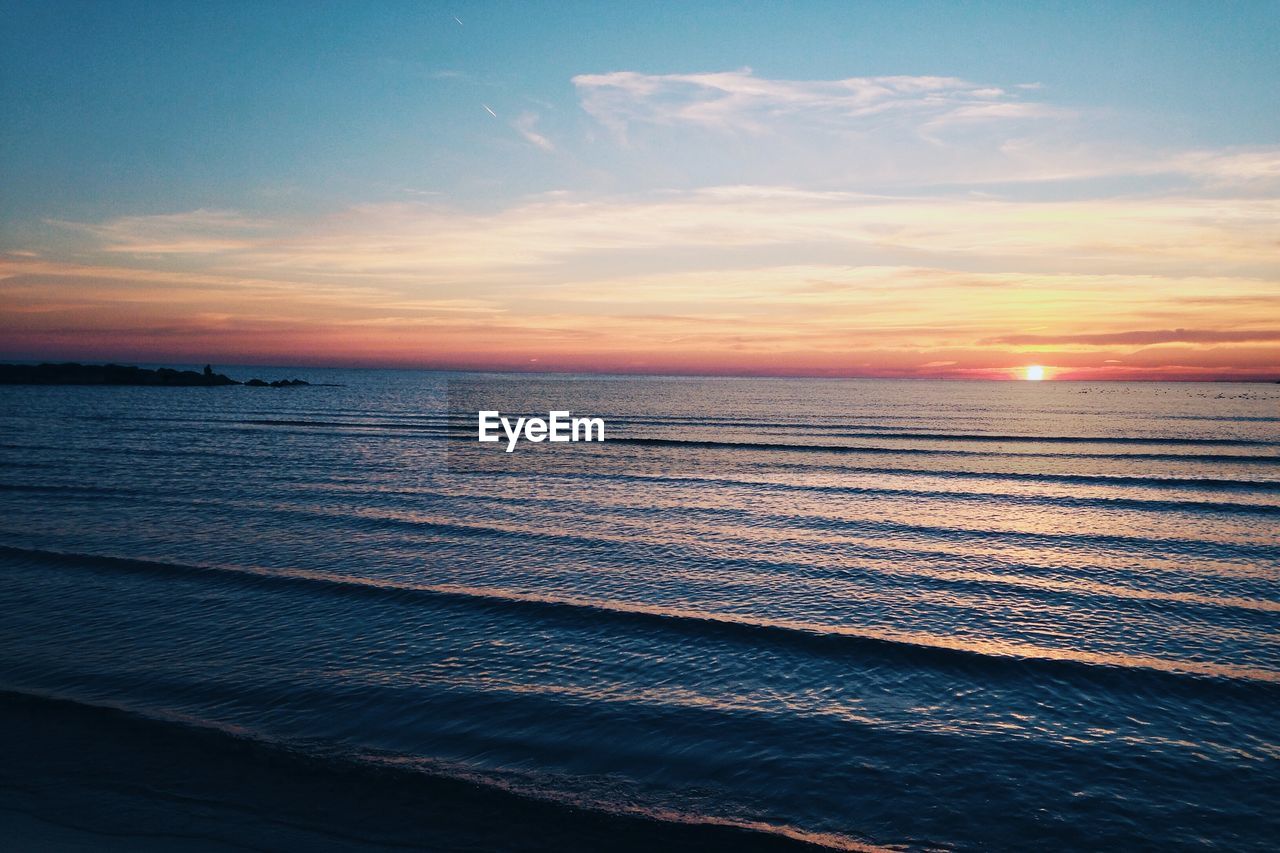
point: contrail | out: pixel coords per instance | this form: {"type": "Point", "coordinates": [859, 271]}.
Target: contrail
{"type": "Point", "coordinates": [455, 17]}
{"type": "Point", "coordinates": [489, 111]}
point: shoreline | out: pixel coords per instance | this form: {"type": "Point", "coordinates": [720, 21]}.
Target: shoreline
{"type": "Point", "coordinates": [114, 770]}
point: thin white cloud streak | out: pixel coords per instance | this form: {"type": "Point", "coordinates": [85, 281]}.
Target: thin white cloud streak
{"type": "Point", "coordinates": [739, 100]}
{"type": "Point", "coordinates": [193, 232]}
{"type": "Point", "coordinates": [1188, 233]}
{"type": "Point", "coordinates": [886, 131]}
{"type": "Point", "coordinates": [1232, 167]}
{"type": "Point", "coordinates": [42, 286]}
{"type": "Point", "coordinates": [526, 124]}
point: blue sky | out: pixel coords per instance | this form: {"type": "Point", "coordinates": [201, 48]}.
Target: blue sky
{"type": "Point", "coordinates": [852, 188]}
{"type": "Point", "coordinates": [132, 107]}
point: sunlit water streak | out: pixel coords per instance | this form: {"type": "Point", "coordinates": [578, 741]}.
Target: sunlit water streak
{"type": "Point", "coordinates": [932, 615]}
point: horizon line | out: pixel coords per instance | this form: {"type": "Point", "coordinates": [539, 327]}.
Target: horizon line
{"type": "Point", "coordinates": [1007, 376]}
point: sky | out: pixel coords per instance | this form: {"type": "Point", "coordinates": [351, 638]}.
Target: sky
{"type": "Point", "coordinates": [907, 189]}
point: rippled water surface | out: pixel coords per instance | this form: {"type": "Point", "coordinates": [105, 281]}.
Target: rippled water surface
{"type": "Point", "coordinates": [898, 614]}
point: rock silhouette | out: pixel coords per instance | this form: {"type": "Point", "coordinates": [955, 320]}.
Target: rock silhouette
{"type": "Point", "coordinates": [71, 373]}
{"type": "Point", "coordinates": [278, 383]}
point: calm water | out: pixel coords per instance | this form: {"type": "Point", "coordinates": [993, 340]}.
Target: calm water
{"type": "Point", "coordinates": [902, 614]}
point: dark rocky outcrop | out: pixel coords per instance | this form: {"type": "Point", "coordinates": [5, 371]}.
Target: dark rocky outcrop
{"type": "Point", "coordinates": [71, 373]}
{"type": "Point", "coordinates": [278, 383]}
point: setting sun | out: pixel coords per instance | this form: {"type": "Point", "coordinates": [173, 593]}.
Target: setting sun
{"type": "Point", "coordinates": [1035, 373]}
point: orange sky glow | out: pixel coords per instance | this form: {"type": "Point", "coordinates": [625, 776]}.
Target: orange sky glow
{"type": "Point", "coordinates": [954, 231]}
{"type": "Point", "coordinates": [1090, 291]}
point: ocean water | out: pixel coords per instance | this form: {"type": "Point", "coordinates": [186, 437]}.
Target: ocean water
{"type": "Point", "coordinates": [771, 613]}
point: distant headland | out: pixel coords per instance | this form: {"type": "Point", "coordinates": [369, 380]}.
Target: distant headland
{"type": "Point", "coordinates": [71, 373]}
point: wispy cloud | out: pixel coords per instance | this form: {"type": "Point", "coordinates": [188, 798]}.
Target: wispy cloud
{"type": "Point", "coordinates": [1232, 167]}
{"type": "Point", "coordinates": [1143, 337]}
{"type": "Point", "coordinates": [526, 124]}
{"type": "Point", "coordinates": [200, 231]}
{"type": "Point", "coordinates": [741, 101]}
{"type": "Point", "coordinates": [889, 131]}
{"type": "Point", "coordinates": [426, 241]}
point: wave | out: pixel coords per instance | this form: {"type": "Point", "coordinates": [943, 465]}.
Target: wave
{"type": "Point", "coordinates": [995, 657]}
{"type": "Point", "coordinates": [811, 523]}
{"type": "Point", "coordinates": [1074, 501]}
{"type": "Point", "coordinates": [452, 425]}
{"type": "Point", "coordinates": [1065, 439]}
{"type": "Point", "coordinates": [456, 431]}
{"type": "Point", "coordinates": [455, 422]}
{"type": "Point", "coordinates": [815, 422]}
{"type": "Point", "coordinates": [866, 449]}
{"type": "Point", "coordinates": [1035, 477]}
{"type": "Point", "coordinates": [1206, 483]}
{"type": "Point", "coordinates": [648, 419]}
{"type": "Point", "coordinates": [830, 448]}
{"type": "Point", "coordinates": [418, 427]}
{"type": "Point", "coordinates": [1183, 547]}
{"type": "Point", "coordinates": [286, 795]}
{"type": "Point", "coordinates": [993, 498]}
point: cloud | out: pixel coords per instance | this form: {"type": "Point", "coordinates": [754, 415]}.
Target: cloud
{"type": "Point", "coordinates": [741, 101]}
{"type": "Point", "coordinates": [888, 321]}
{"type": "Point", "coordinates": [886, 132]}
{"type": "Point", "coordinates": [426, 242]}
{"type": "Point", "coordinates": [199, 231]}
{"type": "Point", "coordinates": [526, 125]}
{"type": "Point", "coordinates": [1143, 337]}
{"type": "Point", "coordinates": [821, 316]}
{"type": "Point", "coordinates": [1258, 167]}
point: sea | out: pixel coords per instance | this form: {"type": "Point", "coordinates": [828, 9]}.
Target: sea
{"type": "Point", "coordinates": [762, 614]}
